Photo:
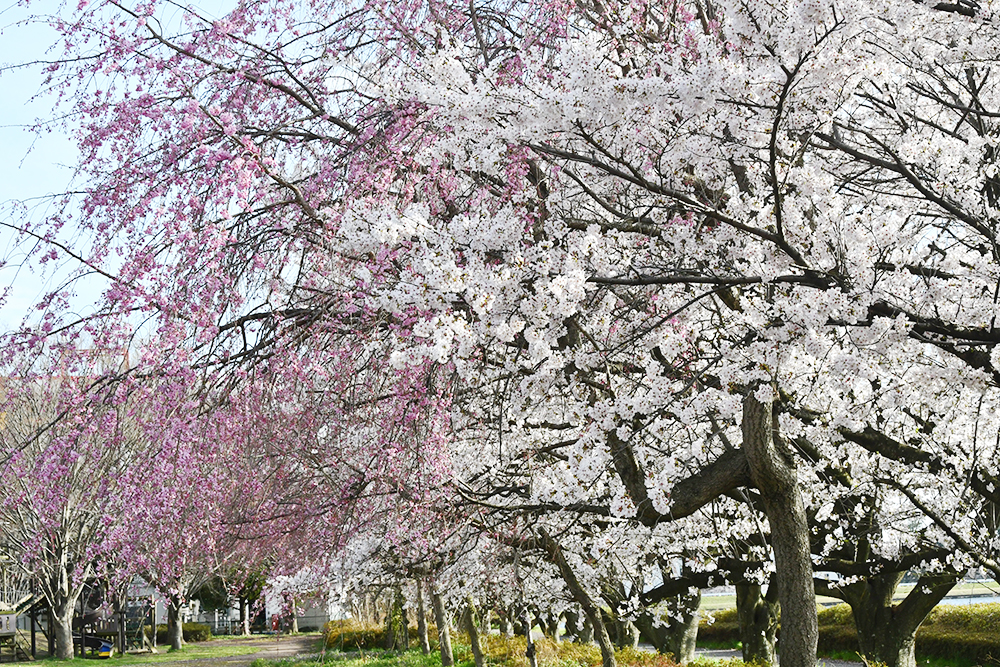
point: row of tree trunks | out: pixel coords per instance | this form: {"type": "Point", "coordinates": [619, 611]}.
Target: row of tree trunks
{"type": "Point", "coordinates": [886, 630]}
{"type": "Point", "coordinates": [581, 596]}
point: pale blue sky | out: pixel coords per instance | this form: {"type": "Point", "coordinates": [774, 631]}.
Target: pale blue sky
{"type": "Point", "coordinates": [31, 167]}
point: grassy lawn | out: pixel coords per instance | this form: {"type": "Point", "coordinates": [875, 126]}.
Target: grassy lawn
{"type": "Point", "coordinates": [189, 652]}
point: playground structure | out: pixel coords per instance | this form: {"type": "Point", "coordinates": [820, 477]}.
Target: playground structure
{"type": "Point", "coordinates": [100, 627]}
{"type": "Point", "coordinates": [18, 601]}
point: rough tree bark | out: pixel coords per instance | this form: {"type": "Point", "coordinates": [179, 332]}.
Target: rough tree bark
{"type": "Point", "coordinates": [62, 621]}
{"type": "Point", "coordinates": [758, 617]}
{"type": "Point", "coordinates": [425, 642]}
{"type": "Point", "coordinates": [444, 637]}
{"type": "Point", "coordinates": [887, 631]}
{"type": "Point", "coordinates": [772, 469]}
{"type": "Point", "coordinates": [175, 630]}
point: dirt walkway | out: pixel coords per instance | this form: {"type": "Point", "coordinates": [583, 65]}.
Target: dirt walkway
{"type": "Point", "coordinates": [729, 654]}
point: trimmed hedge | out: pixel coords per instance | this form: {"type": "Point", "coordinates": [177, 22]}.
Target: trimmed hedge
{"type": "Point", "coordinates": [348, 635]}
{"type": "Point", "coordinates": [192, 632]}
{"type": "Point", "coordinates": [968, 632]}
{"type": "Point", "coordinates": [723, 630]}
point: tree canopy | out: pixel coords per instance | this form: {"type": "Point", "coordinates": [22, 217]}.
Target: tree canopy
{"type": "Point", "coordinates": [606, 288]}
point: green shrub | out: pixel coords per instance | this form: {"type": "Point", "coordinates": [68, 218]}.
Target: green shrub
{"type": "Point", "coordinates": [197, 632]}
{"type": "Point", "coordinates": [950, 632]}
{"type": "Point", "coordinates": [191, 632]}
{"type": "Point", "coordinates": [721, 629]}
{"type": "Point", "coordinates": [839, 614]}
{"type": "Point", "coordinates": [726, 616]}
{"type": "Point", "coordinates": [971, 618]}
{"type": "Point", "coordinates": [349, 635]}
{"type": "Point", "coordinates": [979, 647]}
{"type": "Point", "coordinates": [837, 638]}
{"type": "Point", "coordinates": [502, 651]}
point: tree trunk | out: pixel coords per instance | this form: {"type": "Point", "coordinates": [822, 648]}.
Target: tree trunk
{"type": "Point", "coordinates": [62, 622]}
{"type": "Point", "coordinates": [887, 631]}
{"type": "Point", "coordinates": [587, 632]}
{"type": "Point", "coordinates": [175, 630]}
{"type": "Point", "coordinates": [396, 633]}
{"type": "Point", "coordinates": [444, 637]}
{"type": "Point", "coordinates": [758, 616]}
{"type": "Point", "coordinates": [573, 624]}
{"type": "Point", "coordinates": [553, 623]}
{"type": "Point", "coordinates": [472, 627]}
{"type": "Point", "coordinates": [627, 634]}
{"type": "Point", "coordinates": [581, 596]}
{"type": "Point", "coordinates": [425, 642]}
{"type": "Point", "coordinates": [245, 617]}
{"type": "Point", "coordinates": [506, 627]}
{"type": "Point", "coordinates": [684, 626]}
{"type": "Point", "coordinates": [529, 651]}
{"type": "Point", "coordinates": [679, 634]}
{"type": "Point", "coordinates": [772, 469]}
{"type": "Point", "coordinates": [516, 622]}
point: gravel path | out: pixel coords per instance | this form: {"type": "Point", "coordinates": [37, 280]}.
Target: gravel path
{"type": "Point", "coordinates": [729, 654]}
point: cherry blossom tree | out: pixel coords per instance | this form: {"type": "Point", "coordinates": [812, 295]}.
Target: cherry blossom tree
{"type": "Point", "coordinates": [65, 448]}
{"type": "Point", "coordinates": [636, 257]}
{"type": "Point", "coordinates": [175, 532]}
